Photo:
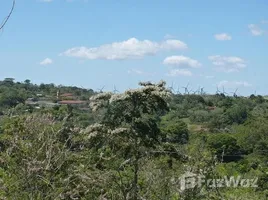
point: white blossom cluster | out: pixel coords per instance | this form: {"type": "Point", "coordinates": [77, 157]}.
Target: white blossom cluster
{"type": "Point", "coordinates": [151, 89]}
{"type": "Point", "coordinates": [148, 90]}
{"type": "Point", "coordinates": [118, 131]}
{"type": "Point", "coordinates": [94, 130]}
{"type": "Point", "coordinates": [118, 97]}
{"type": "Point", "coordinates": [99, 100]}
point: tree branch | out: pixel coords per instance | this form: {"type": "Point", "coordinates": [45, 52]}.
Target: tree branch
{"type": "Point", "coordinates": [7, 18]}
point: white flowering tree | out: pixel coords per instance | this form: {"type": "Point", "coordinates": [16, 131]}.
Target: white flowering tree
{"type": "Point", "coordinates": [128, 129]}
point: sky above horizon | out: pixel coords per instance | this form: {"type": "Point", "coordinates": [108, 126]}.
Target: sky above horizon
{"type": "Point", "coordinates": [96, 43]}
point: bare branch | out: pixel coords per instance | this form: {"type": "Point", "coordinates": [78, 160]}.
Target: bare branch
{"type": "Point", "coordinates": [7, 18]}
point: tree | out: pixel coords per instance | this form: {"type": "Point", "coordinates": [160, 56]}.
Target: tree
{"type": "Point", "coordinates": [33, 158]}
{"type": "Point", "coordinates": [174, 129]}
{"type": "Point", "coordinates": [8, 81]}
{"type": "Point", "coordinates": [225, 147]}
{"type": "Point", "coordinates": [199, 116]}
{"type": "Point", "coordinates": [129, 125]}
{"type": "Point", "coordinates": [27, 81]}
{"type": "Point", "coordinates": [12, 97]}
{"type": "Point", "coordinates": [237, 114]}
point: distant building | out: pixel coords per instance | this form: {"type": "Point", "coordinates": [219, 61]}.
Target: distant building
{"type": "Point", "coordinates": [67, 95]}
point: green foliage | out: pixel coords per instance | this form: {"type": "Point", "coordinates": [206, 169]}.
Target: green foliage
{"type": "Point", "coordinates": [199, 116]}
{"type": "Point", "coordinates": [31, 159]}
{"type": "Point", "coordinates": [130, 120]}
{"type": "Point", "coordinates": [237, 114]}
{"type": "Point", "coordinates": [131, 145]}
{"type": "Point", "coordinates": [225, 147]}
{"type": "Point", "coordinates": [11, 97]}
{"type": "Point", "coordinates": [174, 129]}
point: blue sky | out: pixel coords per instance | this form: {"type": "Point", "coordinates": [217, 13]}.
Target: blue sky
{"type": "Point", "coordinates": [105, 43]}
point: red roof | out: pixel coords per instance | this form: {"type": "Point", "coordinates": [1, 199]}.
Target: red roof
{"type": "Point", "coordinates": [66, 95]}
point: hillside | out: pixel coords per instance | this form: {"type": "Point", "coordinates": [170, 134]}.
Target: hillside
{"type": "Point", "coordinates": [76, 143]}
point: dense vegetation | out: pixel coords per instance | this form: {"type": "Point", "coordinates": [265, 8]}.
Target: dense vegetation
{"type": "Point", "coordinates": [131, 145]}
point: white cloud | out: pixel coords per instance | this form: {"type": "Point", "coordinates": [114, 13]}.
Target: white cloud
{"type": "Point", "coordinates": [181, 61]}
{"type": "Point", "coordinates": [233, 84]}
{"type": "Point", "coordinates": [255, 30]}
{"type": "Point", "coordinates": [228, 64]}
{"type": "Point", "coordinates": [129, 49]}
{"type": "Point", "coordinates": [222, 36]}
{"type": "Point", "coordinates": [264, 21]}
{"type": "Point", "coordinates": [46, 61]}
{"type": "Point", "coordinates": [179, 72]}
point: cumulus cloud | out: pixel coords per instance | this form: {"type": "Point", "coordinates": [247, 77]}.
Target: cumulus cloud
{"type": "Point", "coordinates": [222, 36]}
{"type": "Point", "coordinates": [46, 61]}
{"type": "Point", "coordinates": [233, 84]}
{"type": "Point", "coordinates": [128, 49]}
{"type": "Point", "coordinates": [180, 72]}
{"type": "Point", "coordinates": [181, 61]}
{"type": "Point", "coordinates": [255, 30]}
{"type": "Point", "coordinates": [228, 64]}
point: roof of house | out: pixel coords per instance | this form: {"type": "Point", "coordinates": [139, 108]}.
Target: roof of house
{"type": "Point", "coordinates": [66, 95]}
